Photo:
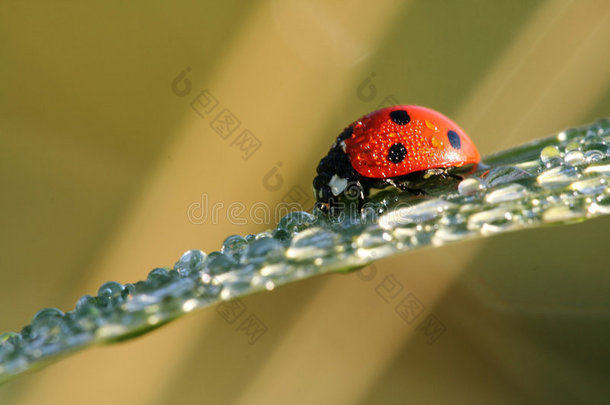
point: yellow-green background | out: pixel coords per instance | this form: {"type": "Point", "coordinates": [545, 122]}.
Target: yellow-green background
{"type": "Point", "coordinates": [99, 161]}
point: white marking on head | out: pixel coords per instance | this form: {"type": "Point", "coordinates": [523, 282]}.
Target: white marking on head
{"type": "Point", "coordinates": [337, 184]}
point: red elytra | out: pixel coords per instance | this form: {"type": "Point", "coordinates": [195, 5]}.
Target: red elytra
{"type": "Point", "coordinates": [399, 140]}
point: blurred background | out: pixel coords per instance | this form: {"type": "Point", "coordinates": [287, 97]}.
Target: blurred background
{"type": "Point", "coordinates": [129, 133]}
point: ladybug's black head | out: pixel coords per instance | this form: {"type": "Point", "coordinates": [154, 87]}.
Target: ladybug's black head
{"type": "Point", "coordinates": [336, 176]}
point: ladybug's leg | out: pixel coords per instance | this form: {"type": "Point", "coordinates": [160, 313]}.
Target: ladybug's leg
{"type": "Point", "coordinates": [403, 187]}
{"type": "Point", "coordinates": [444, 173]}
{"type": "Point", "coordinates": [454, 176]}
{"type": "Point", "coordinates": [356, 190]}
{"type": "Point", "coordinates": [364, 192]}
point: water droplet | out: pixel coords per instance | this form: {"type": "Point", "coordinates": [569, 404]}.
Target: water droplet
{"type": "Point", "coordinates": [446, 235]}
{"type": "Point", "coordinates": [47, 325]}
{"type": "Point", "coordinates": [550, 156]}
{"type": "Point", "coordinates": [234, 246]}
{"type": "Point", "coordinates": [490, 221]}
{"type": "Point", "coordinates": [558, 176]}
{"type": "Point", "coordinates": [110, 290]}
{"type": "Point", "coordinates": [574, 158]}
{"type": "Point", "coordinates": [436, 143]}
{"type": "Point", "coordinates": [590, 186]}
{"type": "Point", "coordinates": [219, 263]}
{"type": "Point", "coordinates": [158, 277]}
{"type": "Point", "coordinates": [296, 221]}
{"type": "Point", "coordinates": [431, 125]}
{"type": "Point", "coordinates": [592, 136]}
{"type": "Point", "coordinates": [374, 243]}
{"type": "Point", "coordinates": [601, 205]}
{"type": "Point", "coordinates": [264, 250]}
{"type": "Point", "coordinates": [404, 215]}
{"type": "Point", "coordinates": [562, 214]}
{"type": "Point", "coordinates": [506, 193]}
{"type": "Point", "coordinates": [85, 304]}
{"type": "Point", "coordinates": [191, 261]}
{"type": "Point", "coordinates": [505, 174]}
{"type": "Point", "coordinates": [311, 243]}
{"type": "Point", "coordinates": [469, 186]}
{"type": "Point", "coordinates": [189, 305]}
{"type": "Point", "coordinates": [604, 169]}
{"type": "Point", "coordinates": [593, 156]}
{"type": "Point", "coordinates": [9, 337]}
{"type": "Point", "coordinates": [281, 235]}
{"type": "Point", "coordinates": [572, 146]}
{"type": "Point", "coordinates": [45, 314]}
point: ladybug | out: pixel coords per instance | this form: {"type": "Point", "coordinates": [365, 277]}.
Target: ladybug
{"type": "Point", "coordinates": [396, 146]}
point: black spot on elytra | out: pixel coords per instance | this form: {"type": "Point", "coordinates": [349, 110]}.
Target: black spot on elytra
{"type": "Point", "coordinates": [397, 153]}
{"type": "Point", "coordinates": [400, 117]}
{"type": "Point", "coordinates": [454, 139]}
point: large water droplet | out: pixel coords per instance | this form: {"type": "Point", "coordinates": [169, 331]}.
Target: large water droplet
{"type": "Point", "coordinates": [590, 186]}
{"type": "Point", "coordinates": [469, 186]}
{"type": "Point", "coordinates": [418, 213]}
{"type": "Point", "coordinates": [191, 261]}
{"type": "Point", "coordinates": [311, 243]}
{"type": "Point", "coordinates": [505, 174]}
{"type": "Point", "coordinates": [234, 246]}
{"type": "Point", "coordinates": [219, 263]}
{"type": "Point", "coordinates": [574, 158]}
{"type": "Point", "coordinates": [558, 176]}
{"type": "Point", "coordinates": [562, 214]}
{"type": "Point", "coordinates": [296, 221]}
{"type": "Point", "coordinates": [374, 243]}
{"type": "Point", "coordinates": [264, 250]}
{"type": "Point", "coordinates": [506, 193]}
{"type": "Point", "coordinates": [491, 221]}
{"type": "Point", "coordinates": [158, 277]}
{"type": "Point", "coordinates": [110, 290]}
{"type": "Point", "coordinates": [550, 154]}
